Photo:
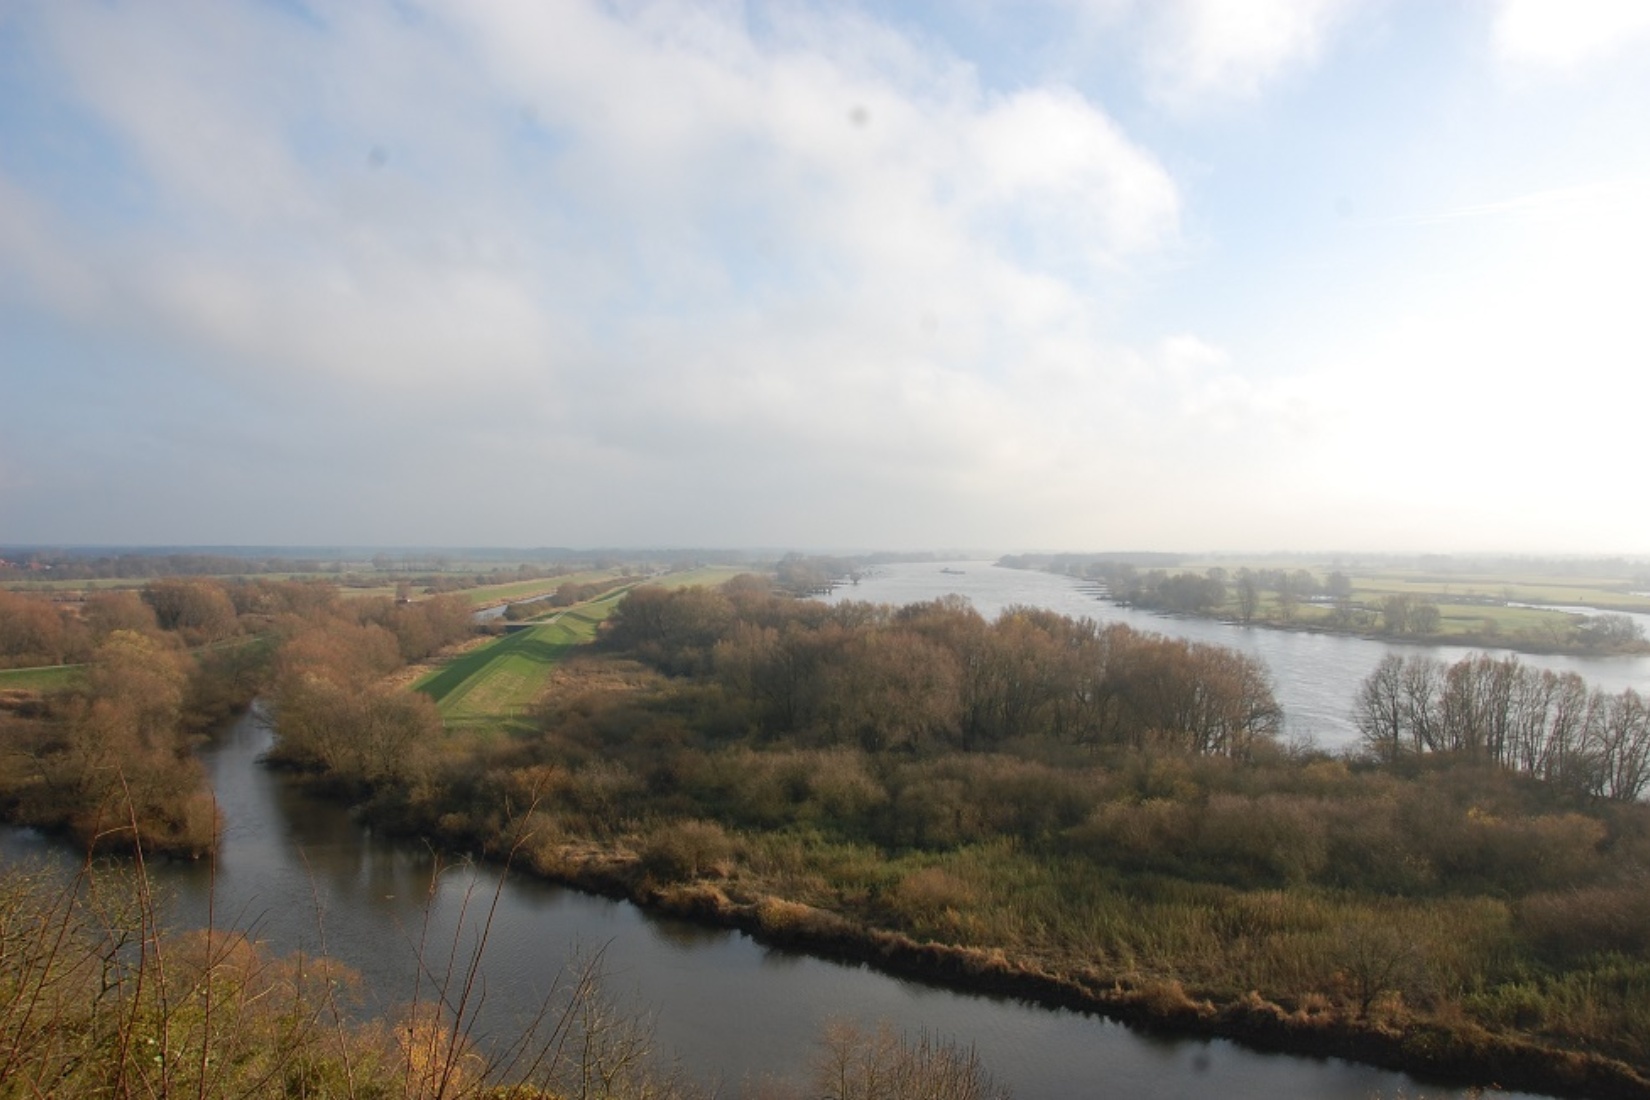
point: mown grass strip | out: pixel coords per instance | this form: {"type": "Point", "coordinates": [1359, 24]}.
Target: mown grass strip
{"type": "Point", "coordinates": [502, 678]}
{"type": "Point", "coordinates": [514, 591]}
{"type": "Point", "coordinates": [703, 575]}
{"type": "Point", "coordinates": [45, 678]}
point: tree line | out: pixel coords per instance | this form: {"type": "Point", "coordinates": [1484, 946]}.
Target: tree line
{"type": "Point", "coordinates": [1536, 722]}
{"type": "Point", "coordinates": [70, 566]}
{"type": "Point", "coordinates": [938, 675]}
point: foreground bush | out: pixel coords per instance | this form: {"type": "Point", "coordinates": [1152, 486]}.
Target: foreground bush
{"type": "Point", "coordinates": [96, 1001]}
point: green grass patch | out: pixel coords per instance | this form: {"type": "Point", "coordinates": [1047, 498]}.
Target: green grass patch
{"type": "Point", "coordinates": [500, 680]}
{"type": "Point", "coordinates": [513, 591]}
{"type": "Point", "coordinates": [46, 678]}
{"type": "Point", "coordinates": [704, 575]}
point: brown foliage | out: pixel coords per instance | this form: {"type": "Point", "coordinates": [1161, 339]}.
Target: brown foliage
{"type": "Point", "coordinates": [36, 631]}
{"type": "Point", "coordinates": [198, 610]}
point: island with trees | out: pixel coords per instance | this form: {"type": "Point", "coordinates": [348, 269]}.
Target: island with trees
{"type": "Point", "coordinates": [1528, 605]}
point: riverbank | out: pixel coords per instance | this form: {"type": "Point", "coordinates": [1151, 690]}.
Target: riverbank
{"type": "Point", "coordinates": [1530, 613]}
{"type": "Point", "coordinates": [1456, 1054]}
{"type": "Point", "coordinates": [1462, 639]}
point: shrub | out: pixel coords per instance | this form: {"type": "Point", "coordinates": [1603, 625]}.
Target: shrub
{"type": "Point", "coordinates": [1576, 923]}
{"type": "Point", "coordinates": [932, 899]}
{"type": "Point", "coordinates": [686, 850]}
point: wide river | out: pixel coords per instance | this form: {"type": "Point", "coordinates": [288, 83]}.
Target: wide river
{"type": "Point", "coordinates": [1314, 676]}
{"type": "Point", "coordinates": [299, 873]}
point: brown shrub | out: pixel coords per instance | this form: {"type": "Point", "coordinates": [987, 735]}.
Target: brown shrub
{"type": "Point", "coordinates": [931, 899]}
{"type": "Point", "coordinates": [684, 850]}
{"type": "Point", "coordinates": [1576, 923]}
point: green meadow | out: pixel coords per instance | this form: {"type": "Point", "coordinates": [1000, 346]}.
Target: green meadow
{"type": "Point", "coordinates": [510, 592]}
{"type": "Point", "coordinates": [501, 680]}
{"type": "Point", "coordinates": [48, 678]}
{"type": "Point", "coordinates": [706, 575]}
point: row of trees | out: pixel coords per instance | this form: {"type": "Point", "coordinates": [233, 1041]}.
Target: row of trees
{"type": "Point", "coordinates": [1535, 721]}
{"type": "Point", "coordinates": [39, 630]}
{"type": "Point", "coordinates": [937, 675]}
{"type": "Point", "coordinates": [1216, 590]}
{"type": "Point", "coordinates": [65, 566]}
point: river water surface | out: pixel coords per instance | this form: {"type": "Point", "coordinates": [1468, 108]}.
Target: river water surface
{"type": "Point", "coordinates": [1314, 676]}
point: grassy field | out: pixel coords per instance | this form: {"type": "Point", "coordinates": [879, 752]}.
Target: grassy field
{"type": "Point", "coordinates": [1516, 588]}
{"type": "Point", "coordinates": [500, 680]}
{"type": "Point", "coordinates": [99, 585]}
{"type": "Point", "coordinates": [1474, 605]}
{"type": "Point", "coordinates": [1464, 620]}
{"type": "Point", "coordinates": [706, 575]}
{"type": "Point", "coordinates": [491, 594]}
{"type": "Point", "coordinates": [1467, 586]}
{"type": "Point", "coordinates": [49, 678]}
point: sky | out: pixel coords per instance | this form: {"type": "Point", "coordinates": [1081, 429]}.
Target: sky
{"type": "Point", "coordinates": [1194, 275]}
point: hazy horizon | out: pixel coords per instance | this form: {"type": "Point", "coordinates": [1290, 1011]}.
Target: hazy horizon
{"type": "Point", "coordinates": [757, 554]}
{"type": "Point", "coordinates": [1075, 274]}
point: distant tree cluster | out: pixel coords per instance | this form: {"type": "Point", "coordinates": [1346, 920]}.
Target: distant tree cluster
{"type": "Point", "coordinates": [937, 674]}
{"type": "Point", "coordinates": [1609, 633]}
{"type": "Point", "coordinates": [803, 575]}
{"type": "Point", "coordinates": [1534, 721]}
{"type": "Point", "coordinates": [36, 631]}
{"type": "Point", "coordinates": [1403, 614]}
{"type": "Point", "coordinates": [334, 709]}
{"type": "Point", "coordinates": [1195, 593]}
{"type": "Point", "coordinates": [63, 565]}
{"type": "Point", "coordinates": [40, 630]}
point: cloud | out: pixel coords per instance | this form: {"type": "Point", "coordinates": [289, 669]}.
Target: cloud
{"type": "Point", "coordinates": [1203, 52]}
{"type": "Point", "coordinates": [1559, 35]}
{"type": "Point", "coordinates": [807, 260]}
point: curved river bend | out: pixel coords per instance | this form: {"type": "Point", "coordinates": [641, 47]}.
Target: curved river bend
{"type": "Point", "coordinates": [300, 873]}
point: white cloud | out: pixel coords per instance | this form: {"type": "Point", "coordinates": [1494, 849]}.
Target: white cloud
{"type": "Point", "coordinates": [1051, 153]}
{"type": "Point", "coordinates": [1201, 52]}
{"type": "Point", "coordinates": [1568, 34]}
{"type": "Point", "coordinates": [644, 243]}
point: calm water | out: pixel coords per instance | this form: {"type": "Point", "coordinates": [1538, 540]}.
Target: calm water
{"type": "Point", "coordinates": [1315, 676]}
